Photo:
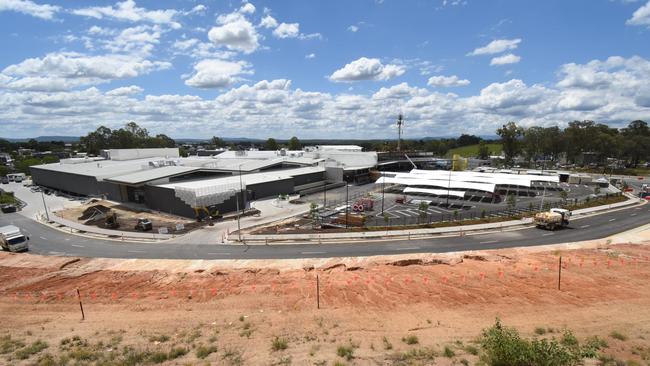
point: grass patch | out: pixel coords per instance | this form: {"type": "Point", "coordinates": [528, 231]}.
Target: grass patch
{"type": "Point", "coordinates": [9, 345]}
{"type": "Point", "coordinates": [472, 150]}
{"type": "Point", "coordinates": [387, 344]}
{"type": "Point", "coordinates": [618, 335]}
{"type": "Point", "coordinates": [279, 344]}
{"type": "Point", "coordinates": [448, 352]}
{"type": "Point", "coordinates": [411, 339]}
{"type": "Point", "coordinates": [540, 331]}
{"type": "Point", "coordinates": [205, 351]}
{"type": "Point", "coordinates": [472, 350]}
{"type": "Point", "coordinates": [177, 352]}
{"type": "Point", "coordinates": [232, 357]}
{"type": "Point", "coordinates": [159, 338]}
{"type": "Point", "coordinates": [346, 352]}
{"type": "Point", "coordinates": [246, 330]}
{"type": "Point", "coordinates": [413, 356]}
{"type": "Point", "coordinates": [32, 349]}
{"type": "Point", "coordinates": [503, 346]}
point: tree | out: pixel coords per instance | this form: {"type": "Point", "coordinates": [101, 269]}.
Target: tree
{"type": "Point", "coordinates": [510, 135]}
{"type": "Point", "coordinates": [483, 150]}
{"type": "Point", "coordinates": [511, 201]}
{"type": "Point", "coordinates": [466, 140]}
{"type": "Point", "coordinates": [271, 144]}
{"type": "Point", "coordinates": [294, 144]}
{"type": "Point", "coordinates": [217, 142]}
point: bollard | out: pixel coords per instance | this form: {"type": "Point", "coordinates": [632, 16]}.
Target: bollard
{"type": "Point", "coordinates": [317, 292]}
{"type": "Point", "coordinates": [559, 274]}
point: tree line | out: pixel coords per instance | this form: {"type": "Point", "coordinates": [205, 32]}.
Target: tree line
{"type": "Point", "coordinates": [630, 144]}
{"type": "Point", "coordinates": [131, 136]}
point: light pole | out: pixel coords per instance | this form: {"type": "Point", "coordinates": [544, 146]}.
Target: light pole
{"type": "Point", "coordinates": [448, 187]}
{"type": "Point", "coordinates": [383, 183]}
{"type": "Point", "coordinates": [241, 192]}
{"type": "Point", "coordinates": [346, 204]}
{"type": "Point", "coordinates": [47, 215]}
{"type": "Point", "coordinates": [325, 193]}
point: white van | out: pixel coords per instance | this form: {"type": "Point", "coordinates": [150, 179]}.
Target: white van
{"type": "Point", "coordinates": [12, 239]}
{"type": "Point", "coordinates": [16, 177]}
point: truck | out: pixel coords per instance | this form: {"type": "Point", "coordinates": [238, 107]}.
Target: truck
{"type": "Point", "coordinates": [12, 239]}
{"type": "Point", "coordinates": [554, 219]}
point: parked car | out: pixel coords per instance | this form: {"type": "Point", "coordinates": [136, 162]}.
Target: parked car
{"type": "Point", "coordinates": [143, 224]}
{"type": "Point", "coordinates": [5, 180]}
{"type": "Point", "coordinates": [8, 208]}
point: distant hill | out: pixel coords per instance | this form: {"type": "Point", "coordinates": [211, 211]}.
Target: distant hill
{"type": "Point", "coordinates": [45, 139]}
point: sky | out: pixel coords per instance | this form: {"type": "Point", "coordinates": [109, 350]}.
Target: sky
{"type": "Point", "coordinates": [320, 69]}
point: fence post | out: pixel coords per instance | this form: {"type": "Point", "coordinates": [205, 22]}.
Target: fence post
{"type": "Point", "coordinates": [83, 316]}
{"type": "Point", "coordinates": [559, 274]}
{"type": "Point", "coordinates": [317, 292]}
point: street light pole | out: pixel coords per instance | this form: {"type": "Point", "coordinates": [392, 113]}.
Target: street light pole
{"type": "Point", "coordinates": [241, 192]}
{"type": "Point", "coordinates": [325, 193]}
{"type": "Point", "coordinates": [47, 215]}
{"type": "Point", "coordinates": [383, 183]}
{"type": "Point", "coordinates": [346, 205]}
{"type": "Point", "coordinates": [448, 186]}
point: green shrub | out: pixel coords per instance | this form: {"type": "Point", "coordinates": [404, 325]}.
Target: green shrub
{"type": "Point", "coordinates": [346, 352]}
{"type": "Point", "coordinates": [205, 351]}
{"type": "Point", "coordinates": [279, 344]}
{"type": "Point", "coordinates": [411, 339]}
{"type": "Point", "coordinates": [540, 331]}
{"type": "Point", "coordinates": [159, 338]}
{"type": "Point", "coordinates": [618, 335]}
{"type": "Point", "coordinates": [412, 356]}
{"type": "Point", "coordinates": [8, 345]}
{"type": "Point", "coordinates": [448, 352]}
{"type": "Point", "coordinates": [502, 346]}
{"type": "Point", "coordinates": [177, 352]}
{"type": "Point", "coordinates": [32, 349]}
{"type": "Point", "coordinates": [158, 357]}
{"type": "Point", "coordinates": [472, 350]}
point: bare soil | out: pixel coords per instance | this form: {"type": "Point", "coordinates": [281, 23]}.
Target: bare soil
{"type": "Point", "coordinates": [443, 300]}
{"type": "Point", "coordinates": [127, 217]}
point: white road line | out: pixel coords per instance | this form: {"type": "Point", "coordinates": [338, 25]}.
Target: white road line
{"type": "Point", "coordinates": [42, 237]}
{"type": "Point", "coordinates": [220, 253]}
{"type": "Point", "coordinates": [407, 248]}
{"type": "Point", "coordinates": [584, 226]}
{"type": "Point", "coordinates": [638, 208]}
{"type": "Point", "coordinates": [56, 253]}
{"type": "Point", "coordinates": [313, 252]}
{"type": "Point", "coordinates": [488, 242]}
{"type": "Point", "coordinates": [633, 214]}
{"type": "Point", "coordinates": [547, 234]}
{"type": "Point", "coordinates": [78, 246]}
{"type": "Point", "coordinates": [610, 220]}
{"type": "Point", "coordinates": [136, 251]}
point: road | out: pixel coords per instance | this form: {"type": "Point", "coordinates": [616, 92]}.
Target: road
{"type": "Point", "coordinates": [48, 241]}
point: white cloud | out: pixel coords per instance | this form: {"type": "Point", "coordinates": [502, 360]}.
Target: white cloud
{"type": "Point", "coordinates": [199, 9]}
{"type": "Point", "coordinates": [28, 7]}
{"type": "Point", "coordinates": [126, 90]}
{"type": "Point", "coordinates": [217, 73]}
{"type": "Point", "coordinates": [310, 56]}
{"type": "Point", "coordinates": [235, 33]}
{"type": "Point", "coordinates": [618, 95]}
{"type": "Point", "coordinates": [353, 28]}
{"type": "Point", "coordinates": [128, 11]}
{"type": "Point", "coordinates": [61, 71]}
{"type": "Point", "coordinates": [447, 81]}
{"type": "Point", "coordinates": [505, 60]}
{"type": "Point", "coordinates": [138, 40]}
{"type": "Point", "coordinates": [496, 46]}
{"type": "Point", "coordinates": [247, 8]}
{"type": "Point", "coordinates": [641, 16]}
{"type": "Point", "coordinates": [287, 30]}
{"type": "Point", "coordinates": [366, 69]}
{"type": "Point", "coordinates": [268, 22]}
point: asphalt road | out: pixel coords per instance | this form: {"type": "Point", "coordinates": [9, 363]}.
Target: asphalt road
{"type": "Point", "coordinates": [48, 241]}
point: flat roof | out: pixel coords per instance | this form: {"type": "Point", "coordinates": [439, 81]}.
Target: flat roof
{"type": "Point", "coordinates": [152, 174]}
{"type": "Point", "coordinates": [247, 179]}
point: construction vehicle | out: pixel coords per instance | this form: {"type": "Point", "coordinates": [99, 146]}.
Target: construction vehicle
{"type": "Point", "coordinates": [12, 239]}
{"type": "Point", "coordinates": [554, 219]}
{"type": "Point", "coordinates": [143, 224]}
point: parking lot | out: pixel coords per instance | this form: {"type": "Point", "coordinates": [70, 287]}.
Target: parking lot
{"type": "Point", "coordinates": [401, 209]}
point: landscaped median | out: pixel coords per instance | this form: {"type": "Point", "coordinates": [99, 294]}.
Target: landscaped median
{"type": "Point", "coordinates": [448, 227]}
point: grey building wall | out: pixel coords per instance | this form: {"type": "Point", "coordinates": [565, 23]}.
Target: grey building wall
{"type": "Point", "coordinates": [164, 200]}
{"type": "Point", "coordinates": [73, 183]}
{"type": "Point", "coordinates": [308, 178]}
